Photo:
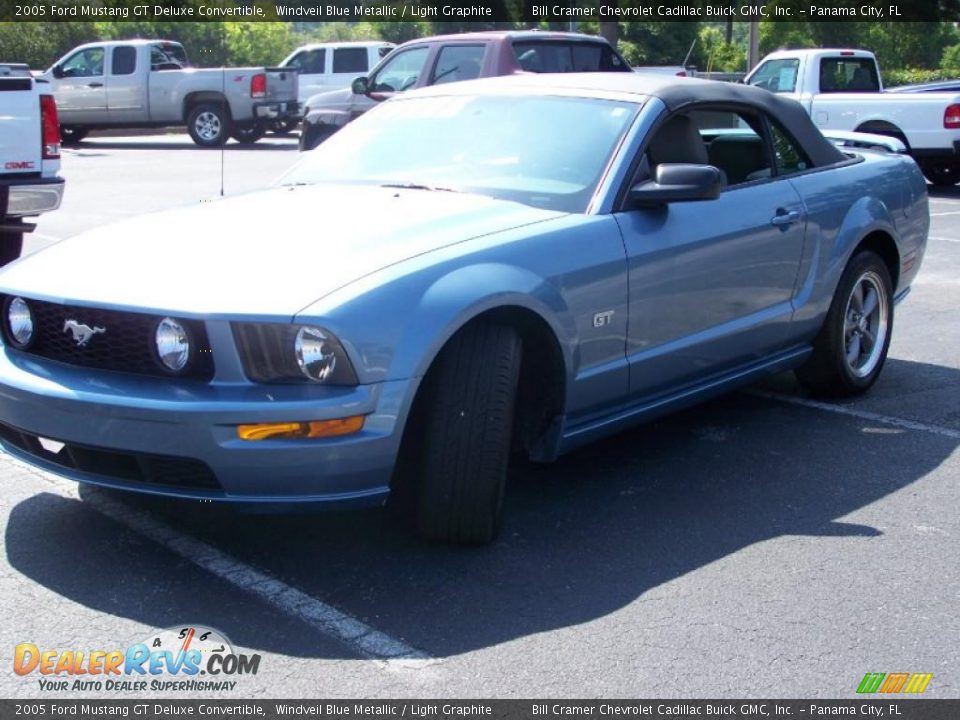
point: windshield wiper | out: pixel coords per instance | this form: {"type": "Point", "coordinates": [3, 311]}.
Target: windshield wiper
{"type": "Point", "coordinates": [418, 186]}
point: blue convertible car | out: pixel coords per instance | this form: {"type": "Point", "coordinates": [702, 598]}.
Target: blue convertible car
{"type": "Point", "coordinates": [464, 275]}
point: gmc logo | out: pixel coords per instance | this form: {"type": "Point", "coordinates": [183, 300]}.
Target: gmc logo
{"type": "Point", "coordinates": [19, 165]}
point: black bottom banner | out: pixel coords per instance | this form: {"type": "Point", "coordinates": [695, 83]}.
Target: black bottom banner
{"type": "Point", "coordinates": [893, 709]}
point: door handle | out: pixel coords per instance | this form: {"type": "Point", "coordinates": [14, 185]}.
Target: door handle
{"type": "Point", "coordinates": [784, 218]}
{"type": "Point", "coordinates": [95, 85]}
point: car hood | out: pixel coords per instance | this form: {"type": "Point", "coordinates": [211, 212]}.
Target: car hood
{"type": "Point", "coordinates": [265, 254]}
{"type": "Point", "coordinates": [329, 99]}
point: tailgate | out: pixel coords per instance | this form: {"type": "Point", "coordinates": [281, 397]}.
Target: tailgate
{"type": "Point", "coordinates": [20, 126]}
{"type": "Point", "coordinates": [281, 83]}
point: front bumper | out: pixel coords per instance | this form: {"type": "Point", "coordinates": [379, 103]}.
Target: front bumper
{"type": "Point", "coordinates": [112, 422]}
{"type": "Point", "coordinates": [33, 196]}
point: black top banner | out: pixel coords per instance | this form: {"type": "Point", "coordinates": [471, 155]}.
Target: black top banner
{"type": "Point", "coordinates": [485, 11]}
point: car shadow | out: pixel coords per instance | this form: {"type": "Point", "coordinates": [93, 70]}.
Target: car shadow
{"type": "Point", "coordinates": [583, 538]}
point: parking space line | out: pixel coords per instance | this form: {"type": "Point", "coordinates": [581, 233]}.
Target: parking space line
{"type": "Point", "coordinates": [366, 641]}
{"type": "Point", "coordinates": [862, 414]}
{"type": "Point", "coordinates": [941, 214]}
{"type": "Point", "coordinates": [945, 239]}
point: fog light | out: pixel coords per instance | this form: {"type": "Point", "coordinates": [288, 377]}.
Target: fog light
{"type": "Point", "coordinates": [173, 344]}
{"type": "Point", "coordinates": [293, 430]}
{"type": "Point", "coordinates": [20, 322]}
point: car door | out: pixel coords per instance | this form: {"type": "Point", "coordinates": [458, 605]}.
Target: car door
{"type": "Point", "coordinates": [126, 90]}
{"type": "Point", "coordinates": [400, 71]}
{"type": "Point", "coordinates": [711, 282]}
{"type": "Point", "coordinates": [80, 88]}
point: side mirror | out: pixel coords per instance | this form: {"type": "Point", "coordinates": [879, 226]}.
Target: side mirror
{"type": "Point", "coordinates": [360, 86]}
{"type": "Point", "coordinates": [677, 183]}
{"type": "Point", "coordinates": [57, 71]}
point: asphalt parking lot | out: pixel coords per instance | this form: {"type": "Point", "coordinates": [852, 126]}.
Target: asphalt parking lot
{"type": "Point", "coordinates": [762, 545]}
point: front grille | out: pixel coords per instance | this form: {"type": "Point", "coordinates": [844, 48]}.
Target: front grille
{"type": "Point", "coordinates": [158, 470]}
{"type": "Point", "coordinates": [126, 345]}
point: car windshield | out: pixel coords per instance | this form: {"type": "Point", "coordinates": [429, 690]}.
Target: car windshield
{"type": "Point", "coordinates": [545, 151]}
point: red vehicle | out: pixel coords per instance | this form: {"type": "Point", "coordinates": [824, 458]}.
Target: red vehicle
{"type": "Point", "coordinates": [453, 58]}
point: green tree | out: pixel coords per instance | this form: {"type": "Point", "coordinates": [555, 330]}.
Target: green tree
{"type": "Point", "coordinates": [39, 44]}
{"type": "Point", "coordinates": [657, 43]}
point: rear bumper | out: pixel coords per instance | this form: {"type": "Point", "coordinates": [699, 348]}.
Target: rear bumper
{"type": "Point", "coordinates": [29, 196]}
{"type": "Point", "coordinates": [159, 437]}
{"type": "Point", "coordinates": [951, 153]}
{"type": "Point", "coordinates": [276, 110]}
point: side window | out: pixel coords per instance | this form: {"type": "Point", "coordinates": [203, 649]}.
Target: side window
{"type": "Point", "coordinates": [731, 141]}
{"type": "Point", "coordinates": [124, 60]}
{"type": "Point", "coordinates": [350, 60]}
{"type": "Point", "coordinates": [86, 63]}
{"type": "Point", "coordinates": [847, 74]}
{"type": "Point", "coordinates": [777, 75]}
{"type": "Point", "coordinates": [309, 62]}
{"type": "Point", "coordinates": [787, 153]}
{"type": "Point", "coordinates": [167, 57]}
{"type": "Point", "coordinates": [458, 62]}
{"type": "Point", "coordinates": [401, 71]}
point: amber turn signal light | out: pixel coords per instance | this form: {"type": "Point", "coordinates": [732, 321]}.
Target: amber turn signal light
{"type": "Point", "coordinates": [297, 430]}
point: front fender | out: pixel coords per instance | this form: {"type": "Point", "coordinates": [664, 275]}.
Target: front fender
{"type": "Point", "coordinates": [463, 294]}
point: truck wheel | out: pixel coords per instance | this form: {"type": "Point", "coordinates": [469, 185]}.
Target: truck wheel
{"type": "Point", "coordinates": [209, 125]}
{"type": "Point", "coordinates": [941, 175]}
{"type": "Point", "coordinates": [248, 133]}
{"type": "Point", "coordinates": [467, 425]}
{"type": "Point", "coordinates": [849, 352]}
{"type": "Point", "coordinates": [312, 135]}
{"type": "Point", "coordinates": [71, 135]}
{"type": "Point", "coordinates": [11, 244]}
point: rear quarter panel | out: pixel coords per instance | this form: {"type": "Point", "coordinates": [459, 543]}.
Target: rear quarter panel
{"type": "Point", "coordinates": [844, 204]}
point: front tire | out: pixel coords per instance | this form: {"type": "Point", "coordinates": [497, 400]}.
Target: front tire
{"type": "Point", "coordinates": [852, 345]}
{"type": "Point", "coordinates": [209, 125]}
{"type": "Point", "coordinates": [467, 425]}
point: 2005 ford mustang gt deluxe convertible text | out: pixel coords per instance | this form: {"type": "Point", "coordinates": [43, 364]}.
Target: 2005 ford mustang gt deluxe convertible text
{"type": "Point", "coordinates": [466, 274]}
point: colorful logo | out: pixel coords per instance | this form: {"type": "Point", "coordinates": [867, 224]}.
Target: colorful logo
{"type": "Point", "coordinates": [894, 683]}
{"type": "Point", "coordinates": [170, 659]}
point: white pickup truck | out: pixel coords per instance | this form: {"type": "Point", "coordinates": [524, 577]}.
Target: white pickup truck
{"type": "Point", "coordinates": [149, 83]}
{"type": "Point", "coordinates": [29, 155]}
{"type": "Point", "coordinates": [842, 90]}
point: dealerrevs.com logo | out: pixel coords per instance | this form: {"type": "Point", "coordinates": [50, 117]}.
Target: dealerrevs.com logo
{"type": "Point", "coordinates": [190, 658]}
{"type": "Point", "coordinates": [892, 683]}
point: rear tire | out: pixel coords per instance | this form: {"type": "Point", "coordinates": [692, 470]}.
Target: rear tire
{"type": "Point", "coordinates": [209, 125]}
{"type": "Point", "coordinates": [71, 135]}
{"type": "Point", "coordinates": [11, 245]}
{"type": "Point", "coordinates": [852, 345]}
{"type": "Point", "coordinates": [942, 175]}
{"type": "Point", "coordinates": [467, 425]}
{"type": "Point", "coordinates": [284, 127]}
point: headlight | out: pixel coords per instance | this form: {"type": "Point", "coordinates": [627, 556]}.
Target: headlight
{"type": "Point", "coordinates": [275, 352]}
{"type": "Point", "coordinates": [173, 345]}
{"type": "Point", "coordinates": [314, 353]}
{"type": "Point", "coordinates": [19, 322]}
